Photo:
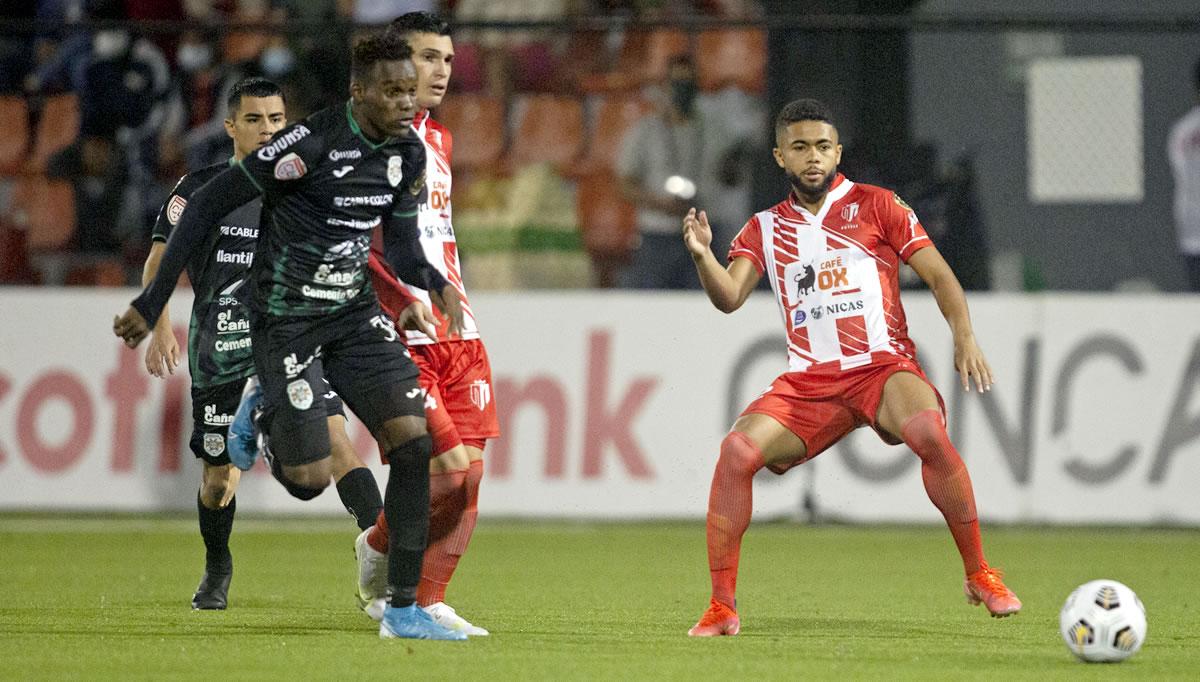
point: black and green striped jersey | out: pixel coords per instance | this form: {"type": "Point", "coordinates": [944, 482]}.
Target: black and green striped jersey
{"type": "Point", "coordinates": [219, 331]}
{"type": "Point", "coordinates": [327, 188]}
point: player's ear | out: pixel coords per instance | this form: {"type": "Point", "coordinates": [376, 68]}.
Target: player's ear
{"type": "Point", "coordinates": [229, 129]}
{"type": "Point", "coordinates": [779, 155]}
{"type": "Point", "coordinates": [356, 91]}
{"type": "Point", "coordinates": [838, 160]}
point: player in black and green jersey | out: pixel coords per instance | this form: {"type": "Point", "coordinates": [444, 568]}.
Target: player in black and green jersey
{"type": "Point", "coordinates": [327, 183]}
{"type": "Point", "coordinates": [220, 353]}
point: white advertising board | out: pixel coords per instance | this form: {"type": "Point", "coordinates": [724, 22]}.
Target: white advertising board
{"type": "Point", "coordinates": [613, 405]}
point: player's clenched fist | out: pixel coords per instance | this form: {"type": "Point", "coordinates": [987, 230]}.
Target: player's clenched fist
{"type": "Point", "coordinates": [131, 327]}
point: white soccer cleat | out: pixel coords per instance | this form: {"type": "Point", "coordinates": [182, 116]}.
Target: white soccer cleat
{"type": "Point", "coordinates": [372, 572]}
{"type": "Point", "coordinates": [443, 614]}
{"type": "Point", "coordinates": [375, 608]}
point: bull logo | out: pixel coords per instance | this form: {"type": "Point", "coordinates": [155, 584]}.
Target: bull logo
{"type": "Point", "coordinates": [805, 280]}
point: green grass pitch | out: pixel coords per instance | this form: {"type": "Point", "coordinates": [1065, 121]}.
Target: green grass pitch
{"type": "Point", "coordinates": [107, 598]}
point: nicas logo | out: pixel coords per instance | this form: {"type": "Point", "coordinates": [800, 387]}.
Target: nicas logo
{"type": "Point", "coordinates": [835, 308]}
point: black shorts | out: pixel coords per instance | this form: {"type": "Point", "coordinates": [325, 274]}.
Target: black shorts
{"type": "Point", "coordinates": [361, 355]}
{"type": "Point", "coordinates": [213, 408]}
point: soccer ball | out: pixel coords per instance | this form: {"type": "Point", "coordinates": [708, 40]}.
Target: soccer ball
{"type": "Point", "coordinates": [1103, 621]}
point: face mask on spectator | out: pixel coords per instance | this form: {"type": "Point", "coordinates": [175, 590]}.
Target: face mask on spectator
{"type": "Point", "coordinates": [192, 57]}
{"type": "Point", "coordinates": [109, 44]}
{"type": "Point", "coordinates": [276, 61]}
{"type": "Point", "coordinates": [683, 95]}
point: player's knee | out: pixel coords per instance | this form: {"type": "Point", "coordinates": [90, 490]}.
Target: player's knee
{"type": "Point", "coordinates": [413, 453]}
{"type": "Point", "coordinates": [306, 482]}
{"type": "Point", "coordinates": [400, 430]}
{"type": "Point", "coordinates": [214, 493]}
{"type": "Point", "coordinates": [739, 451]}
{"type": "Point", "coordinates": [454, 459]}
{"type": "Point", "coordinates": [925, 432]}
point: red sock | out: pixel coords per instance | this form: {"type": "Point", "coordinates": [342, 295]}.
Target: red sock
{"type": "Point", "coordinates": [457, 523]}
{"type": "Point", "coordinates": [377, 535]}
{"type": "Point", "coordinates": [729, 505]}
{"type": "Point", "coordinates": [947, 482]}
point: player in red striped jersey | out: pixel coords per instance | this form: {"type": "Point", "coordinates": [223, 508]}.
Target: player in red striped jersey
{"type": "Point", "coordinates": [831, 252]}
{"type": "Point", "coordinates": [454, 366]}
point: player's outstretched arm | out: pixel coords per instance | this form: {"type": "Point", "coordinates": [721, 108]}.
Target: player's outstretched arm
{"type": "Point", "coordinates": [225, 192]}
{"type": "Point", "coordinates": [403, 252]}
{"type": "Point", "coordinates": [726, 288]}
{"type": "Point", "coordinates": [162, 354]}
{"type": "Point", "coordinates": [968, 358]}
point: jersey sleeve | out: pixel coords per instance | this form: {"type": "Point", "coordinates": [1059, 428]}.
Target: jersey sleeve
{"type": "Point", "coordinates": [172, 208]}
{"type": "Point", "coordinates": [901, 228]}
{"type": "Point", "coordinates": [287, 159]}
{"type": "Point", "coordinates": [748, 244]}
{"type": "Point", "coordinates": [411, 192]}
{"type": "Point", "coordinates": [393, 296]}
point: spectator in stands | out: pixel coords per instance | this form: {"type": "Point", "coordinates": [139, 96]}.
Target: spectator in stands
{"type": "Point", "coordinates": [678, 156]}
{"type": "Point", "coordinates": [518, 59]}
{"type": "Point", "coordinates": [1183, 150]}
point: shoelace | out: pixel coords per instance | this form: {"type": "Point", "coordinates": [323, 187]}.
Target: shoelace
{"type": "Point", "coordinates": [990, 577]}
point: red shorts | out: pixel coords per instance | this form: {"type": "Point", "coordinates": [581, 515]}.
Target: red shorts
{"type": "Point", "coordinates": [822, 407]}
{"type": "Point", "coordinates": [459, 405]}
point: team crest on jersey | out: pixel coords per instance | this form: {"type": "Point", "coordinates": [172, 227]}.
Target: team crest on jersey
{"type": "Point", "coordinates": [850, 212]}
{"type": "Point", "coordinates": [395, 170]}
{"type": "Point", "coordinates": [175, 209]}
{"type": "Point", "coordinates": [300, 394]}
{"type": "Point", "coordinates": [290, 167]}
{"type": "Point", "coordinates": [214, 444]}
{"type": "Point", "coordinates": [481, 394]}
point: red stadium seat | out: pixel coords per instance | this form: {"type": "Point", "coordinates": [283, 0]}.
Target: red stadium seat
{"type": "Point", "coordinates": [476, 123]}
{"type": "Point", "coordinates": [614, 117]}
{"type": "Point", "coordinates": [735, 57]}
{"type": "Point", "coordinates": [550, 131]}
{"type": "Point", "coordinates": [14, 122]}
{"type": "Point", "coordinates": [607, 224]}
{"type": "Point", "coordinates": [47, 208]}
{"type": "Point", "coordinates": [468, 68]}
{"type": "Point", "coordinates": [102, 272]}
{"type": "Point", "coordinates": [58, 127]}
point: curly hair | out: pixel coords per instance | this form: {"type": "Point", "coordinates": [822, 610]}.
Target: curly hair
{"type": "Point", "coordinates": [377, 47]}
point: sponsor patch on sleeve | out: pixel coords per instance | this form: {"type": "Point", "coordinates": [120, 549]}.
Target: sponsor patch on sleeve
{"type": "Point", "coordinates": [175, 209]}
{"type": "Point", "coordinates": [902, 203]}
{"type": "Point", "coordinates": [290, 167]}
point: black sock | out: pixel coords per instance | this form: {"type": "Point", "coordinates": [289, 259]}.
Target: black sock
{"type": "Point", "coordinates": [360, 496]}
{"type": "Point", "coordinates": [215, 527]}
{"type": "Point", "coordinates": [406, 508]}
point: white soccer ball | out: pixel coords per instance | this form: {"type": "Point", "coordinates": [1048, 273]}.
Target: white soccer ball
{"type": "Point", "coordinates": [1103, 621]}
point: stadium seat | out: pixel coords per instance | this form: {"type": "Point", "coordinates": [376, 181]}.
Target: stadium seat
{"type": "Point", "coordinates": [468, 68]}
{"type": "Point", "coordinates": [14, 121]}
{"type": "Point", "coordinates": [614, 116]}
{"type": "Point", "coordinates": [735, 57]}
{"type": "Point", "coordinates": [58, 127]}
{"type": "Point", "coordinates": [477, 124]}
{"type": "Point", "coordinates": [647, 53]}
{"type": "Point", "coordinates": [550, 131]}
{"type": "Point", "coordinates": [607, 224]}
{"type": "Point", "coordinates": [47, 209]}
{"type": "Point", "coordinates": [99, 272]}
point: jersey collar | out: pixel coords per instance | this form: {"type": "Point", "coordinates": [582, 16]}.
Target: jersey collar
{"type": "Point", "coordinates": [419, 121]}
{"type": "Point", "coordinates": [837, 190]}
{"type": "Point", "coordinates": [358, 131]}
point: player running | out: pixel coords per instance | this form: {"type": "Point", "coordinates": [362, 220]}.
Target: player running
{"type": "Point", "coordinates": [453, 362]}
{"type": "Point", "coordinates": [327, 183]}
{"type": "Point", "coordinates": [831, 251]}
{"type": "Point", "coordinates": [219, 344]}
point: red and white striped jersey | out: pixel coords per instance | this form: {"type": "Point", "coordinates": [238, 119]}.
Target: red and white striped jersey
{"type": "Point", "coordinates": [835, 274]}
{"type": "Point", "coordinates": [437, 232]}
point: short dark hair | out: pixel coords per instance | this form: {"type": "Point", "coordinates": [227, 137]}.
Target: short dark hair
{"type": "Point", "coordinates": [802, 110]}
{"type": "Point", "coordinates": [254, 86]}
{"type": "Point", "coordinates": [377, 47]}
{"type": "Point", "coordinates": [419, 22]}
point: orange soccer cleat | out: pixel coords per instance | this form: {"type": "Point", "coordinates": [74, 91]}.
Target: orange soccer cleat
{"type": "Point", "coordinates": [985, 586]}
{"type": "Point", "coordinates": [718, 620]}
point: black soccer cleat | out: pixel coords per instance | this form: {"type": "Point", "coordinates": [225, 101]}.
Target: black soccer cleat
{"type": "Point", "coordinates": [213, 592]}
